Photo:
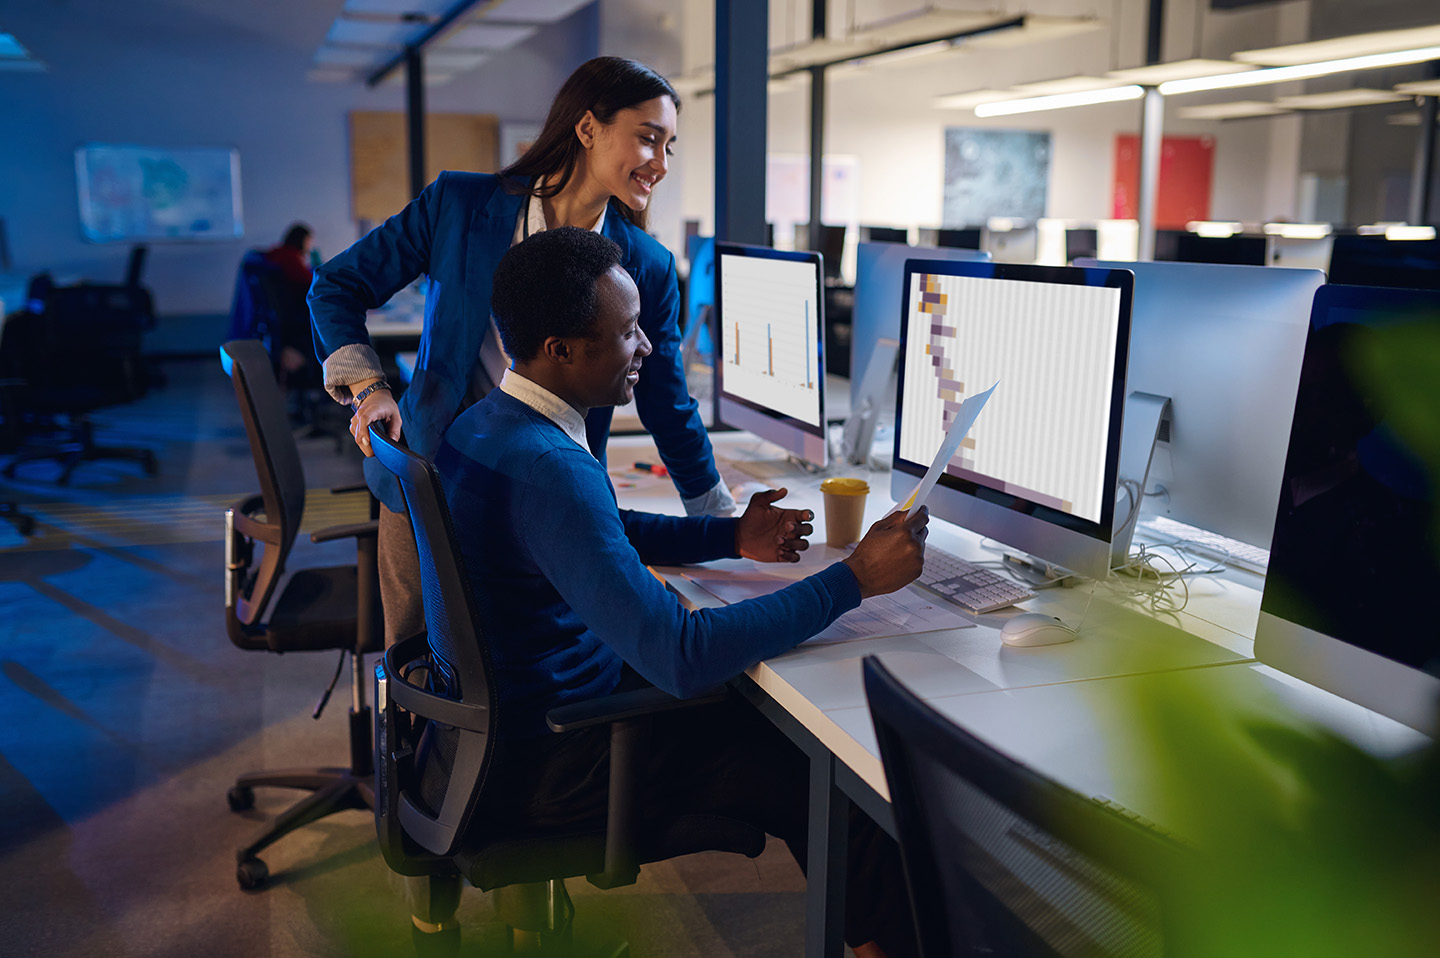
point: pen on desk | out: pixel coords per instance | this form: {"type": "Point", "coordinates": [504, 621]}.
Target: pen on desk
{"type": "Point", "coordinates": [652, 468]}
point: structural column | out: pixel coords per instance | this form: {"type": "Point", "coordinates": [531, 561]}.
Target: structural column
{"type": "Point", "coordinates": [741, 76]}
{"type": "Point", "coordinates": [1152, 124]}
{"type": "Point", "coordinates": [415, 117]}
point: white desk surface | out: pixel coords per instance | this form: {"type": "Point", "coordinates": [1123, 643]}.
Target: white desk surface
{"type": "Point", "coordinates": [821, 685]}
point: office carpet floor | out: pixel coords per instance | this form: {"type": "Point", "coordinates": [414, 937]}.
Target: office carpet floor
{"type": "Point", "coordinates": [125, 714]}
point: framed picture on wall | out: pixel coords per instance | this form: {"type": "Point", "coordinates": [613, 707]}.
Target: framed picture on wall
{"type": "Point", "coordinates": [992, 172]}
{"type": "Point", "coordinates": [153, 193]}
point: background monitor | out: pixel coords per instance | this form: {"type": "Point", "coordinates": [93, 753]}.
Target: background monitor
{"type": "Point", "coordinates": [963, 238]}
{"type": "Point", "coordinates": [1357, 515]}
{"type": "Point", "coordinates": [1357, 260]}
{"type": "Point", "coordinates": [884, 234]}
{"type": "Point", "coordinates": [1237, 250]}
{"type": "Point", "coordinates": [1019, 244]}
{"type": "Point", "coordinates": [1223, 343]}
{"type": "Point", "coordinates": [1081, 242]}
{"type": "Point", "coordinates": [1038, 470]}
{"type": "Point", "coordinates": [880, 300]}
{"type": "Point", "coordinates": [770, 311]}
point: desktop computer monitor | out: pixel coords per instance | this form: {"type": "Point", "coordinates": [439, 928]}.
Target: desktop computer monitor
{"type": "Point", "coordinates": [700, 284]}
{"type": "Point", "coordinates": [1223, 344]}
{"type": "Point", "coordinates": [879, 298]}
{"type": "Point", "coordinates": [1038, 469]}
{"type": "Point", "coordinates": [884, 234]}
{"type": "Point", "coordinates": [770, 309]}
{"type": "Point", "coordinates": [1237, 250]}
{"type": "Point", "coordinates": [1355, 542]}
{"type": "Point", "coordinates": [1081, 242]}
{"type": "Point", "coordinates": [875, 320]}
{"type": "Point", "coordinates": [1358, 260]}
{"type": "Point", "coordinates": [964, 238]}
{"type": "Point", "coordinates": [1019, 244]}
{"type": "Point", "coordinates": [830, 244]}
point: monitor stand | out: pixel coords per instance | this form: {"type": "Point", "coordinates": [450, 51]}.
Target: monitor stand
{"type": "Point", "coordinates": [1144, 415]}
{"type": "Point", "coordinates": [859, 433]}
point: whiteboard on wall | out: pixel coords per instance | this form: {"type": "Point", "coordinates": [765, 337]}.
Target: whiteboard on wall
{"type": "Point", "coordinates": [149, 193]}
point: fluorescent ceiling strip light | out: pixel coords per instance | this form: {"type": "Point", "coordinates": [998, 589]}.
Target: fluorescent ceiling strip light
{"type": "Point", "coordinates": [1060, 101]}
{"type": "Point", "coordinates": [1410, 233]}
{"type": "Point", "coordinates": [1299, 231]}
{"type": "Point", "coordinates": [1302, 71]}
{"type": "Point", "coordinates": [1215, 230]}
{"type": "Point", "coordinates": [1376, 229]}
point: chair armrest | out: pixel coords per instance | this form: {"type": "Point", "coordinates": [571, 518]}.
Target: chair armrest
{"type": "Point", "coordinates": [625, 705]}
{"type": "Point", "coordinates": [342, 490]}
{"type": "Point", "coordinates": [357, 530]}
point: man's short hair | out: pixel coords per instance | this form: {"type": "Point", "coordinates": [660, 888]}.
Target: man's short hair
{"type": "Point", "coordinates": [546, 286]}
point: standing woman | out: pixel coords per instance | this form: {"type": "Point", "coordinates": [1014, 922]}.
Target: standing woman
{"type": "Point", "coordinates": [606, 143]}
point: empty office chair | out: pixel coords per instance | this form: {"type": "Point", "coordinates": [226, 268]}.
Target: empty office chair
{"type": "Point", "coordinates": [437, 733]}
{"type": "Point", "coordinates": [319, 609]}
{"type": "Point", "coordinates": [77, 353]}
{"type": "Point", "coordinates": [1001, 860]}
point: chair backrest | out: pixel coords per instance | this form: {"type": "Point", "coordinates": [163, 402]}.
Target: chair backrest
{"type": "Point", "coordinates": [277, 466]}
{"type": "Point", "coordinates": [999, 857]}
{"type": "Point", "coordinates": [90, 346]}
{"type": "Point", "coordinates": [251, 315]}
{"type": "Point", "coordinates": [435, 807]}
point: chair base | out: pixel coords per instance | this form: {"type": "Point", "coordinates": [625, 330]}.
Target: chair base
{"type": "Point", "coordinates": [332, 790]}
{"type": "Point", "coordinates": [75, 446]}
{"type": "Point", "coordinates": [11, 510]}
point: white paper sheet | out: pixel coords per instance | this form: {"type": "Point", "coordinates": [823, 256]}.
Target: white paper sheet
{"type": "Point", "coordinates": [964, 419]}
{"type": "Point", "coordinates": [900, 613]}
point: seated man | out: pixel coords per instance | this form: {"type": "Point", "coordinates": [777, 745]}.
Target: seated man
{"type": "Point", "coordinates": [558, 573]}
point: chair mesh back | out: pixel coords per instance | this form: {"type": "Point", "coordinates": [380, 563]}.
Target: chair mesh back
{"type": "Point", "coordinates": [1002, 859]}
{"type": "Point", "coordinates": [450, 764]}
{"type": "Point", "coordinates": [277, 459]}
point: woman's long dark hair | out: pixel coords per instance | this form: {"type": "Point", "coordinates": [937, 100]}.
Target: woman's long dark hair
{"type": "Point", "coordinates": [604, 86]}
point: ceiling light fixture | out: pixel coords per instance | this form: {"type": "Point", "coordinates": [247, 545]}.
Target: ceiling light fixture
{"type": "Point", "coordinates": [1060, 101]}
{"type": "Point", "coordinates": [1214, 229]}
{"type": "Point", "coordinates": [1298, 231]}
{"type": "Point", "coordinates": [1303, 71]}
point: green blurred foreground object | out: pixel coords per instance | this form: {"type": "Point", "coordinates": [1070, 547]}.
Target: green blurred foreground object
{"type": "Point", "coordinates": [1304, 844]}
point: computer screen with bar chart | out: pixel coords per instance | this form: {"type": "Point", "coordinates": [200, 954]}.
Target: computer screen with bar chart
{"type": "Point", "coordinates": [1038, 469]}
{"type": "Point", "coordinates": [770, 309]}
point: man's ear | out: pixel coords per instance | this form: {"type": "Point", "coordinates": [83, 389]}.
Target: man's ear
{"type": "Point", "coordinates": [557, 350]}
{"type": "Point", "coordinates": [585, 129]}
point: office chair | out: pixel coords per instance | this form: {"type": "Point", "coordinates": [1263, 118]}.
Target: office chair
{"type": "Point", "coordinates": [435, 744]}
{"type": "Point", "coordinates": [267, 308]}
{"type": "Point", "coordinates": [80, 354]}
{"type": "Point", "coordinates": [317, 610]}
{"type": "Point", "coordinates": [1000, 860]}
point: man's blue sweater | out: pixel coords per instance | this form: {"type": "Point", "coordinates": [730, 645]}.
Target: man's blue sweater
{"type": "Point", "coordinates": [558, 572]}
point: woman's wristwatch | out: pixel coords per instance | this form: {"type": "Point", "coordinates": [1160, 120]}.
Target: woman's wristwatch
{"type": "Point", "coordinates": [364, 394]}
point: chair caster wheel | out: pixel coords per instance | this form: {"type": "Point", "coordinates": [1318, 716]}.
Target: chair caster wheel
{"type": "Point", "coordinates": [251, 873]}
{"type": "Point", "coordinates": [240, 798]}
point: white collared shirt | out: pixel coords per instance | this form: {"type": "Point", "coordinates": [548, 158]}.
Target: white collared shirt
{"type": "Point", "coordinates": [547, 404]}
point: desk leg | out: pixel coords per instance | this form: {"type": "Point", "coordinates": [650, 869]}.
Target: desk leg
{"type": "Point", "coordinates": [825, 869]}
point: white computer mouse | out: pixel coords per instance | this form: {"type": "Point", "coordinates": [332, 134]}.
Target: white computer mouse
{"type": "Point", "coordinates": [1034, 628]}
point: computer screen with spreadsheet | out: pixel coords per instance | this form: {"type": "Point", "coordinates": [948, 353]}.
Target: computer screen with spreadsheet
{"type": "Point", "coordinates": [1037, 471]}
{"type": "Point", "coordinates": [770, 309]}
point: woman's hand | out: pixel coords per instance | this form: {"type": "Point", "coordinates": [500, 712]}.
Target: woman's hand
{"type": "Point", "coordinates": [378, 407]}
{"type": "Point", "coordinates": [767, 534]}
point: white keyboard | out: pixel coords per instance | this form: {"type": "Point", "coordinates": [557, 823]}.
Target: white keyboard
{"type": "Point", "coordinates": [968, 586]}
{"type": "Point", "coordinates": [1209, 544]}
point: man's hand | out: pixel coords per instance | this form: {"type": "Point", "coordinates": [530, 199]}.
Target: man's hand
{"type": "Point", "coordinates": [767, 534]}
{"type": "Point", "coordinates": [379, 407]}
{"type": "Point", "coordinates": [892, 554]}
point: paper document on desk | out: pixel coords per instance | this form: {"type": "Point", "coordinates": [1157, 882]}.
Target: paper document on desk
{"type": "Point", "coordinates": [964, 418]}
{"type": "Point", "coordinates": [900, 613]}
